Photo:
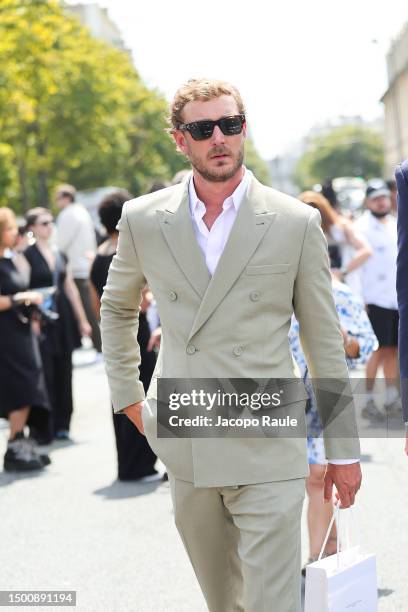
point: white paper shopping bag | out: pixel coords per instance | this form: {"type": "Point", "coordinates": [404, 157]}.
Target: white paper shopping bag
{"type": "Point", "coordinates": [343, 582]}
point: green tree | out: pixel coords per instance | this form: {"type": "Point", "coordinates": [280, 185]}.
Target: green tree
{"type": "Point", "coordinates": [8, 178]}
{"type": "Point", "coordinates": [72, 109]}
{"type": "Point", "coordinates": [254, 162]}
{"type": "Point", "coordinates": [345, 151]}
{"type": "Point", "coordinates": [153, 153]}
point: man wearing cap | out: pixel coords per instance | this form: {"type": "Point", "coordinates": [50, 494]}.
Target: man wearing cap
{"type": "Point", "coordinates": [378, 277]}
{"type": "Point", "coordinates": [401, 176]}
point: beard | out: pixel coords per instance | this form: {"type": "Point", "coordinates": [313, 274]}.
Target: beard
{"type": "Point", "coordinates": [380, 215]}
{"type": "Point", "coordinates": [222, 173]}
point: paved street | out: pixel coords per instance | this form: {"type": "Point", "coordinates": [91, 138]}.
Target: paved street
{"type": "Point", "coordinates": [75, 528]}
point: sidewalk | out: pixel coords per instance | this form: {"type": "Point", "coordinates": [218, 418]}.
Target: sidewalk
{"type": "Point", "coordinates": [75, 527]}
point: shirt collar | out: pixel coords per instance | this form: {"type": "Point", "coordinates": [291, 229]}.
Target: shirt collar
{"type": "Point", "coordinates": [236, 197]}
{"type": "Point", "coordinates": [375, 221]}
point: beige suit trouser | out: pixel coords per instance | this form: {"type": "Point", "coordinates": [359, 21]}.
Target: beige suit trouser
{"type": "Point", "coordinates": [243, 543]}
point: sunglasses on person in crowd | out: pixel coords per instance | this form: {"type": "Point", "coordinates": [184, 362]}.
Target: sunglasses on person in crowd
{"type": "Point", "coordinates": [202, 130]}
{"type": "Point", "coordinates": [46, 223]}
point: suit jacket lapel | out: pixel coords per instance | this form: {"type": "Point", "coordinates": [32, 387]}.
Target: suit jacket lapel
{"type": "Point", "coordinates": [177, 227]}
{"type": "Point", "coordinates": [251, 224]}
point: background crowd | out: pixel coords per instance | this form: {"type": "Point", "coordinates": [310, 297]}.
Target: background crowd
{"type": "Point", "coordinates": [51, 280]}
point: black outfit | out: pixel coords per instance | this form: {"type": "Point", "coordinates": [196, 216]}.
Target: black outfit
{"type": "Point", "coordinates": [21, 377]}
{"type": "Point", "coordinates": [58, 339]}
{"type": "Point", "coordinates": [84, 292]}
{"type": "Point", "coordinates": [385, 324]}
{"type": "Point", "coordinates": [135, 457]}
{"type": "Point", "coordinates": [334, 256]}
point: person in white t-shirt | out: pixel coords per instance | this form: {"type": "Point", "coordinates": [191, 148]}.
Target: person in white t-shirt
{"type": "Point", "coordinates": [378, 281]}
{"type": "Point", "coordinates": [77, 240]}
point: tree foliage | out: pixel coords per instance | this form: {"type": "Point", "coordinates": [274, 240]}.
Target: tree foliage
{"type": "Point", "coordinates": [72, 109]}
{"type": "Point", "coordinates": [255, 163]}
{"type": "Point", "coordinates": [345, 151]}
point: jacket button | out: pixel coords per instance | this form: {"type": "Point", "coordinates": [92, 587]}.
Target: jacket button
{"type": "Point", "coordinates": [237, 350]}
{"type": "Point", "coordinates": [191, 349]}
{"type": "Point", "coordinates": [255, 296]}
{"type": "Point", "coordinates": [172, 296]}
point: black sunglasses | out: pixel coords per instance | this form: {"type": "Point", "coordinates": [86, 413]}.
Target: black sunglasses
{"type": "Point", "coordinates": [202, 130]}
{"type": "Point", "coordinates": [46, 223]}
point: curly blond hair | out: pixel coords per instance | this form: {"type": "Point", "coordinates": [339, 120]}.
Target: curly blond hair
{"type": "Point", "coordinates": [204, 90]}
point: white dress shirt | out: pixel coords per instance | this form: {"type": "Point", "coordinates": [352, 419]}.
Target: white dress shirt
{"type": "Point", "coordinates": [212, 241]}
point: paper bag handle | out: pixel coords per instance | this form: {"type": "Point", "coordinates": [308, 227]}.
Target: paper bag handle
{"type": "Point", "coordinates": [335, 517]}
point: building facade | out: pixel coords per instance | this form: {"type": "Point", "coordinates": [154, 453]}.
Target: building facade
{"type": "Point", "coordinates": [395, 102]}
{"type": "Point", "coordinates": [97, 20]}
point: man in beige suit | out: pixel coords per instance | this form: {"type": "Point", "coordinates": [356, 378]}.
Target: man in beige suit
{"type": "Point", "coordinates": [229, 261]}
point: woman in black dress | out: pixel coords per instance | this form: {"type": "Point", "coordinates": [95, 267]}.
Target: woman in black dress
{"type": "Point", "coordinates": [136, 459]}
{"type": "Point", "coordinates": [62, 324]}
{"type": "Point", "coordinates": [23, 398]}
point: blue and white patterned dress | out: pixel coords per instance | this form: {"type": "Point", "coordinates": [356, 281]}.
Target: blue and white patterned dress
{"type": "Point", "coordinates": [353, 318]}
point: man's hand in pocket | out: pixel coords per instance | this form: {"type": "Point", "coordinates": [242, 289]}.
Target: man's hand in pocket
{"type": "Point", "coordinates": [134, 413]}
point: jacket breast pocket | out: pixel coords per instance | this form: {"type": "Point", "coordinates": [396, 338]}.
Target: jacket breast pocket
{"type": "Point", "coordinates": [281, 268]}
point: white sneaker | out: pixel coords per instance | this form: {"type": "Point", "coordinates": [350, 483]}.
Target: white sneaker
{"type": "Point", "coordinates": [394, 409]}
{"type": "Point", "coordinates": [372, 412]}
{"type": "Point", "coordinates": [151, 478]}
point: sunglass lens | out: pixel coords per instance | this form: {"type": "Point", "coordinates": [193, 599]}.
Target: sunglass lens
{"type": "Point", "coordinates": [201, 130]}
{"type": "Point", "coordinates": [231, 125]}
